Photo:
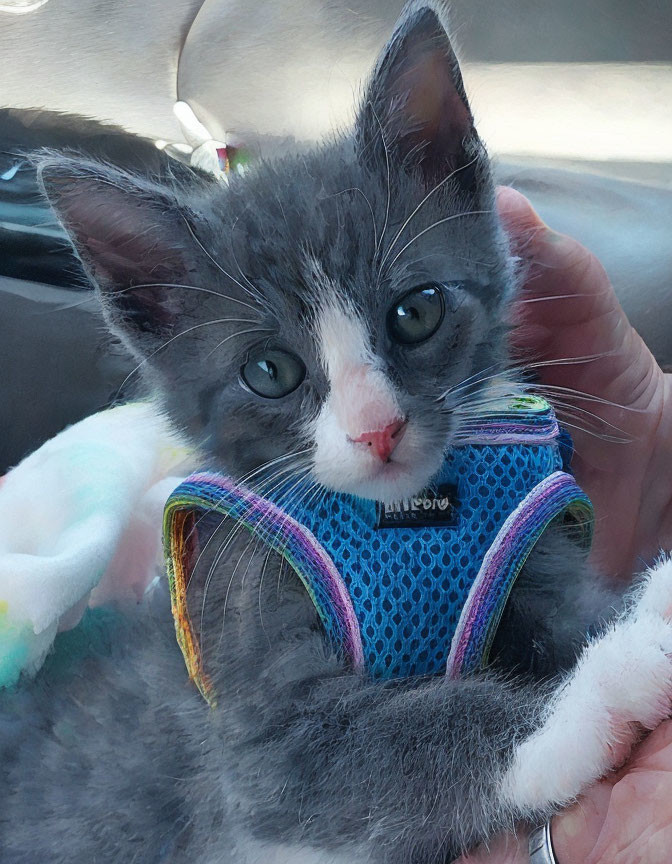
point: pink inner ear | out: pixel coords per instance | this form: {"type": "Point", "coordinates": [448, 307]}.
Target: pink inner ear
{"type": "Point", "coordinates": [126, 232]}
{"type": "Point", "coordinates": [433, 101]}
{"type": "Point", "coordinates": [419, 91]}
{"type": "Point", "coordinates": [135, 246]}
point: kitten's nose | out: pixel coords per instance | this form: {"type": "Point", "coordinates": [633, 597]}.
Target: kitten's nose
{"type": "Point", "coordinates": [383, 441]}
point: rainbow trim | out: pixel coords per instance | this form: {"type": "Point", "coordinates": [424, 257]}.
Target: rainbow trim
{"type": "Point", "coordinates": [217, 494]}
{"type": "Point", "coordinates": [519, 425]}
{"type": "Point", "coordinates": [518, 420]}
{"type": "Point", "coordinates": [481, 614]}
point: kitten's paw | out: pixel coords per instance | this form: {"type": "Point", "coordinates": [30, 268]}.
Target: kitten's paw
{"type": "Point", "coordinates": [622, 682]}
{"type": "Point", "coordinates": [630, 669]}
{"type": "Point", "coordinates": [653, 595]}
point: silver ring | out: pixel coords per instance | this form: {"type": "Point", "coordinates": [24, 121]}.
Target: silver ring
{"type": "Point", "coordinates": [540, 846]}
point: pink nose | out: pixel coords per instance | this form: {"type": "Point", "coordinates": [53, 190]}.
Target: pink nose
{"type": "Point", "coordinates": [383, 441]}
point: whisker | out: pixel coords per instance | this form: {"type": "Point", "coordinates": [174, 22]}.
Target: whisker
{"type": "Point", "coordinates": [264, 567]}
{"type": "Point", "coordinates": [471, 416]}
{"type": "Point", "coordinates": [250, 559]}
{"type": "Point", "coordinates": [173, 338]}
{"type": "Point", "coordinates": [563, 408]}
{"type": "Point", "coordinates": [432, 226]}
{"type": "Point", "coordinates": [610, 439]}
{"type": "Point", "coordinates": [474, 380]}
{"type": "Point", "coordinates": [496, 393]}
{"type": "Point", "coordinates": [568, 361]}
{"type": "Point", "coordinates": [252, 286]}
{"type": "Point", "coordinates": [238, 333]}
{"type": "Point", "coordinates": [265, 466]}
{"type": "Point", "coordinates": [550, 297]}
{"type": "Point", "coordinates": [238, 526]}
{"type": "Point", "coordinates": [260, 528]}
{"type": "Point", "coordinates": [368, 204]}
{"type": "Point", "coordinates": [580, 394]}
{"type": "Point", "coordinates": [228, 589]}
{"type": "Point", "coordinates": [477, 407]}
{"type": "Point", "coordinates": [245, 478]}
{"type": "Point", "coordinates": [192, 288]}
{"type": "Point", "coordinates": [389, 186]}
{"type": "Point", "coordinates": [473, 412]}
{"type": "Point", "coordinates": [470, 411]}
{"type": "Point", "coordinates": [93, 295]}
{"type": "Point", "coordinates": [282, 471]}
{"type": "Point", "coordinates": [538, 387]}
{"type": "Point", "coordinates": [217, 264]}
{"type": "Point", "coordinates": [419, 207]}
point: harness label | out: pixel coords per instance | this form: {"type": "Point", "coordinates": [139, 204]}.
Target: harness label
{"type": "Point", "coordinates": [431, 508]}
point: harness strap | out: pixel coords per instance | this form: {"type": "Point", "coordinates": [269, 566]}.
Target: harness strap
{"type": "Point", "coordinates": [555, 497]}
{"type": "Point", "coordinates": [213, 493]}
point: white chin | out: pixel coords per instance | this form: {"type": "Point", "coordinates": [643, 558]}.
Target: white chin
{"type": "Point", "coordinates": [389, 482]}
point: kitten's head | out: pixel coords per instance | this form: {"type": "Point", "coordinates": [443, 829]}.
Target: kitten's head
{"type": "Point", "coordinates": [320, 305]}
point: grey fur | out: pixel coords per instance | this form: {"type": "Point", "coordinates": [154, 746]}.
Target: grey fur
{"type": "Point", "coordinates": [119, 760]}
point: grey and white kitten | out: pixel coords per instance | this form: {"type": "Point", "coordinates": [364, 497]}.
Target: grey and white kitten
{"type": "Point", "coordinates": [288, 323]}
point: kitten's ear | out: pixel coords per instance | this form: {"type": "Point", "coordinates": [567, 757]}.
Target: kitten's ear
{"type": "Point", "coordinates": [415, 105]}
{"type": "Point", "coordinates": [128, 232]}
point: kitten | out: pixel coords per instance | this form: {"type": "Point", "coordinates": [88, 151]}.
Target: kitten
{"type": "Point", "coordinates": [263, 313]}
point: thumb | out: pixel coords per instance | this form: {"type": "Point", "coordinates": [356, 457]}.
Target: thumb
{"type": "Point", "coordinates": [566, 293]}
{"type": "Point", "coordinates": [519, 218]}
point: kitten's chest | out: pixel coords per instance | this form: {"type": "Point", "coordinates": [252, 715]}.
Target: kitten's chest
{"type": "Point", "coordinates": [426, 579]}
{"type": "Point", "coordinates": [418, 587]}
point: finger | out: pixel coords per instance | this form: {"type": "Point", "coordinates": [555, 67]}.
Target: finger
{"type": "Point", "coordinates": [654, 753]}
{"type": "Point", "coordinates": [519, 218]}
{"type": "Point", "coordinates": [576, 830]}
{"type": "Point", "coordinates": [639, 818]}
{"type": "Point", "coordinates": [553, 264]}
{"type": "Point", "coordinates": [567, 306]}
{"type": "Point", "coordinates": [570, 329]}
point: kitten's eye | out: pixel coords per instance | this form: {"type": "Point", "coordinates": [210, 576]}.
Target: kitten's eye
{"type": "Point", "coordinates": [273, 373]}
{"type": "Point", "coordinates": [417, 315]}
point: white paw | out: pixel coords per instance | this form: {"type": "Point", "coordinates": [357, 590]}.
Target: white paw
{"type": "Point", "coordinates": [629, 670]}
{"type": "Point", "coordinates": [622, 682]}
{"type": "Point", "coordinates": [653, 595]}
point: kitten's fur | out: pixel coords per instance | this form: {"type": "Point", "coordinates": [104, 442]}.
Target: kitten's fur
{"type": "Point", "coordinates": [305, 760]}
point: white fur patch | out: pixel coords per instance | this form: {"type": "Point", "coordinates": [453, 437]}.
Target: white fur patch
{"type": "Point", "coordinates": [622, 682]}
{"type": "Point", "coordinates": [362, 399]}
{"type": "Point", "coordinates": [361, 396]}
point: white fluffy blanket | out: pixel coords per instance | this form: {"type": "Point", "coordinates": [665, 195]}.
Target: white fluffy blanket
{"type": "Point", "coordinates": [80, 524]}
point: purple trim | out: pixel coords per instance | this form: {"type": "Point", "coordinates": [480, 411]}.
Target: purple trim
{"type": "Point", "coordinates": [512, 433]}
{"type": "Point", "coordinates": [501, 565]}
{"type": "Point", "coordinates": [294, 535]}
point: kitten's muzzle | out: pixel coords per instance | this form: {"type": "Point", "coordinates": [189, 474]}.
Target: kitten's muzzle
{"type": "Point", "coordinates": [383, 441]}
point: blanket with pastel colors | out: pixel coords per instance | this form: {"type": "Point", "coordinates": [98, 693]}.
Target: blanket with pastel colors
{"type": "Point", "coordinates": [80, 525]}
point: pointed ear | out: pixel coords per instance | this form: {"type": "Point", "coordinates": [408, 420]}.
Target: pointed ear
{"type": "Point", "coordinates": [415, 105]}
{"type": "Point", "coordinates": [128, 232]}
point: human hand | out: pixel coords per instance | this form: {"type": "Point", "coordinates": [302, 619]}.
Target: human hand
{"type": "Point", "coordinates": [567, 311]}
{"type": "Point", "coordinates": [624, 819]}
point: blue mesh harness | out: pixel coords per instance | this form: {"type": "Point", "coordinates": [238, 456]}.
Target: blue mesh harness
{"type": "Point", "coordinates": [416, 588]}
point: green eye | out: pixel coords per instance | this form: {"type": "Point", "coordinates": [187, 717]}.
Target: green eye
{"type": "Point", "coordinates": [417, 315]}
{"type": "Point", "coordinates": [273, 373]}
